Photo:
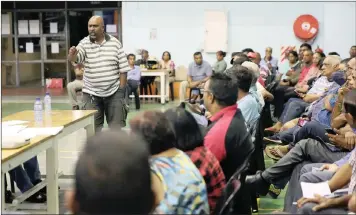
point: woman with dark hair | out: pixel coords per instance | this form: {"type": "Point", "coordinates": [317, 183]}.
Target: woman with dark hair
{"type": "Point", "coordinates": [190, 140]}
{"type": "Point", "coordinates": [166, 63]}
{"type": "Point", "coordinates": [220, 65]}
{"type": "Point", "coordinates": [315, 71]}
{"type": "Point", "coordinates": [177, 184]}
{"type": "Point", "coordinates": [293, 64]}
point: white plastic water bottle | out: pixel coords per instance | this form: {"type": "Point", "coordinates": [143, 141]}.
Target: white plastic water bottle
{"type": "Point", "coordinates": [38, 109]}
{"type": "Point", "coordinates": [47, 103]}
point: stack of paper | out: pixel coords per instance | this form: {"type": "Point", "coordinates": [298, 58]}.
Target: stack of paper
{"type": "Point", "coordinates": [16, 133]}
{"type": "Point", "coordinates": [42, 131]}
{"type": "Point", "coordinates": [310, 189]}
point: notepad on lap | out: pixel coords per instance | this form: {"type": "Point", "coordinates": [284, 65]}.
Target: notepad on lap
{"type": "Point", "coordinates": [310, 189]}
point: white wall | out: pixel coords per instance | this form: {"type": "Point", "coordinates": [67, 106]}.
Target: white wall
{"type": "Point", "coordinates": [180, 26]}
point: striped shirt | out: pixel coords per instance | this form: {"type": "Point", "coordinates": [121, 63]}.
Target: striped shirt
{"type": "Point", "coordinates": [103, 65]}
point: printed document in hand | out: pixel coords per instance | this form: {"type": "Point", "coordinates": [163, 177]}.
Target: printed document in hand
{"type": "Point", "coordinates": [310, 189]}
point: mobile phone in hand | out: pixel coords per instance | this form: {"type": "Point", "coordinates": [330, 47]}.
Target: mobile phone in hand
{"type": "Point", "coordinates": [330, 131]}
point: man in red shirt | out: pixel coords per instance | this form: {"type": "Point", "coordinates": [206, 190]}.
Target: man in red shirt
{"type": "Point", "coordinates": [227, 136]}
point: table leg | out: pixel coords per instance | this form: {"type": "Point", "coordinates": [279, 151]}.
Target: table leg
{"type": "Point", "coordinates": [3, 189]}
{"type": "Point", "coordinates": [163, 94]}
{"type": "Point", "coordinates": [52, 178]}
{"type": "Point", "coordinates": [167, 88]}
{"type": "Point", "coordinates": [90, 129]}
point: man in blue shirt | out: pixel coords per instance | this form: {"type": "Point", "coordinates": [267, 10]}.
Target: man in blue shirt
{"type": "Point", "coordinates": [245, 101]}
{"type": "Point", "coordinates": [133, 79]}
{"type": "Point", "coordinates": [270, 61]}
{"type": "Point", "coordinates": [199, 72]}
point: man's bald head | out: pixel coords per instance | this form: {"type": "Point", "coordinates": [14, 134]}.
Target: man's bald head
{"type": "Point", "coordinates": [97, 19]}
{"type": "Point", "coordinates": [96, 28]}
{"type": "Point", "coordinates": [268, 52]}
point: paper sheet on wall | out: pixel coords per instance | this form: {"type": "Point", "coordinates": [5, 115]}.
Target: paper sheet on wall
{"type": "Point", "coordinates": [23, 26]}
{"type": "Point", "coordinates": [29, 47]}
{"type": "Point", "coordinates": [153, 34]}
{"type": "Point", "coordinates": [5, 24]}
{"type": "Point", "coordinates": [34, 26]}
{"type": "Point", "coordinates": [111, 28]}
{"type": "Point", "coordinates": [54, 48]}
{"type": "Point", "coordinates": [53, 27]}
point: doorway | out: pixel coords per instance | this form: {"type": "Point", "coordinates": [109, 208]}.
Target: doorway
{"type": "Point", "coordinates": [78, 26]}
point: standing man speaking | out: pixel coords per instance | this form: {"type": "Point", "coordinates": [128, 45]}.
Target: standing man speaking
{"type": "Point", "coordinates": [105, 74]}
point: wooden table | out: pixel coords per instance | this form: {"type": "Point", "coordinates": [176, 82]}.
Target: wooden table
{"type": "Point", "coordinates": [163, 74]}
{"type": "Point", "coordinates": [11, 158]}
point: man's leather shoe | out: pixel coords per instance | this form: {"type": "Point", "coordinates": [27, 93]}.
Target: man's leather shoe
{"type": "Point", "coordinates": [261, 186]}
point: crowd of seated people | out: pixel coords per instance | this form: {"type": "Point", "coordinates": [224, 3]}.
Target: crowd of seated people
{"type": "Point", "coordinates": [170, 162]}
{"type": "Point", "coordinates": [156, 171]}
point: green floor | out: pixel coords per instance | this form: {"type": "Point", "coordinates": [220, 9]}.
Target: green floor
{"type": "Point", "coordinates": [267, 204]}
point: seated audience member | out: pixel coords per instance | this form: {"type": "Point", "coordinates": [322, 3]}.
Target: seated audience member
{"type": "Point", "coordinates": [296, 106]}
{"type": "Point", "coordinates": [264, 70]}
{"type": "Point", "coordinates": [309, 150]}
{"type": "Point", "coordinates": [270, 61]}
{"type": "Point", "coordinates": [233, 57]}
{"type": "Point", "coordinates": [198, 73]}
{"type": "Point", "coordinates": [309, 174]}
{"type": "Point", "coordinates": [76, 85]}
{"type": "Point", "coordinates": [191, 141]}
{"type": "Point", "coordinates": [302, 48]}
{"type": "Point", "coordinates": [293, 65]}
{"type": "Point", "coordinates": [321, 113]}
{"type": "Point", "coordinates": [177, 184]}
{"type": "Point", "coordinates": [227, 136]}
{"type": "Point", "coordinates": [345, 175]}
{"type": "Point", "coordinates": [333, 54]}
{"type": "Point", "coordinates": [112, 176]}
{"type": "Point", "coordinates": [343, 64]}
{"type": "Point", "coordinates": [245, 101]}
{"type": "Point", "coordinates": [247, 50]}
{"type": "Point", "coordinates": [168, 64]}
{"type": "Point", "coordinates": [238, 58]}
{"type": "Point", "coordinates": [352, 52]}
{"type": "Point", "coordinates": [285, 90]}
{"type": "Point", "coordinates": [143, 64]}
{"type": "Point", "coordinates": [27, 177]}
{"type": "Point", "coordinates": [220, 65]}
{"type": "Point", "coordinates": [254, 89]}
{"type": "Point", "coordinates": [314, 72]}
{"type": "Point", "coordinates": [133, 79]}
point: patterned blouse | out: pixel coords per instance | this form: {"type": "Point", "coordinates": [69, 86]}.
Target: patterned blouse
{"type": "Point", "coordinates": [185, 189]}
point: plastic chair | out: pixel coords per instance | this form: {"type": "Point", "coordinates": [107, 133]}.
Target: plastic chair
{"type": "Point", "coordinates": [225, 203]}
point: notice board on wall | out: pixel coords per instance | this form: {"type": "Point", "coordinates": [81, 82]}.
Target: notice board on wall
{"type": "Point", "coordinates": [216, 35]}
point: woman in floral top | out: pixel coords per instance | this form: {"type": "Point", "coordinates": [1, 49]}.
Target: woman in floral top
{"type": "Point", "coordinates": [190, 140]}
{"type": "Point", "coordinates": [178, 185]}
